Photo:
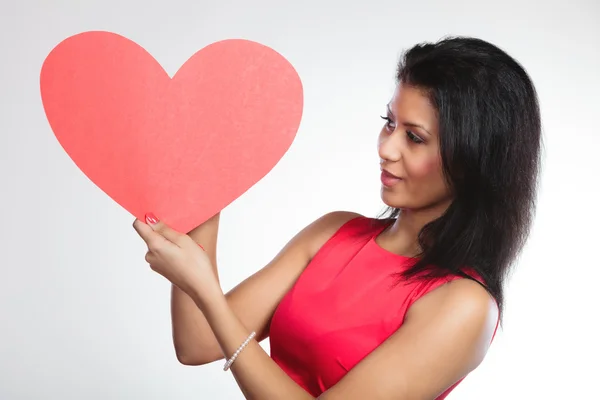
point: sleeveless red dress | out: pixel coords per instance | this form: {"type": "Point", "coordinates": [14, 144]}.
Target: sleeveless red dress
{"type": "Point", "coordinates": [342, 307]}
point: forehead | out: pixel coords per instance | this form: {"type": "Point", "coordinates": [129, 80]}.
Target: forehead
{"type": "Point", "coordinates": [412, 104]}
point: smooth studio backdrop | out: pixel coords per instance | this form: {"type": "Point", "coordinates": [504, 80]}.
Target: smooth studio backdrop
{"type": "Point", "coordinates": [83, 317]}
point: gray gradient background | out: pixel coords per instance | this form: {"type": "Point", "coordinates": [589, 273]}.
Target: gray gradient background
{"type": "Point", "coordinates": [83, 317]}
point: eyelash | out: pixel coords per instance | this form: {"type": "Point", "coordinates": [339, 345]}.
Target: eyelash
{"type": "Point", "coordinates": [411, 136]}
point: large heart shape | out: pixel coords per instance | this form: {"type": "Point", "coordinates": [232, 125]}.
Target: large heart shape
{"type": "Point", "coordinates": [182, 147]}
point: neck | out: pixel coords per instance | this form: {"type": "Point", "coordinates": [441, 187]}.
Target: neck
{"type": "Point", "coordinates": [404, 233]}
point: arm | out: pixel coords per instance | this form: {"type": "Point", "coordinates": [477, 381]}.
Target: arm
{"type": "Point", "coordinates": [190, 331]}
{"type": "Point", "coordinates": [445, 336]}
{"type": "Point", "coordinates": [254, 300]}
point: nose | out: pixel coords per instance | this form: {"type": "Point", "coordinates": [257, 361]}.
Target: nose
{"type": "Point", "coordinates": [390, 146]}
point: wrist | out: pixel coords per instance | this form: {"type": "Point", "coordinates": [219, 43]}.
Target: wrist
{"type": "Point", "coordinates": [207, 296]}
{"type": "Point", "coordinates": [206, 233]}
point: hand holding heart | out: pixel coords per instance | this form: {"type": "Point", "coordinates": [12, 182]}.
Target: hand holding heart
{"type": "Point", "coordinates": [177, 257]}
{"type": "Point", "coordinates": [184, 146]}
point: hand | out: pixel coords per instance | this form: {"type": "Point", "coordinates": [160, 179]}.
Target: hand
{"type": "Point", "coordinates": [177, 257]}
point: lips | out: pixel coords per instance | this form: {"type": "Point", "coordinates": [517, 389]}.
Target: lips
{"type": "Point", "coordinates": [390, 175]}
{"type": "Point", "coordinates": [388, 180]}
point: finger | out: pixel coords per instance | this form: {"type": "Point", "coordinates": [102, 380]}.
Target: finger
{"type": "Point", "coordinates": [152, 261]}
{"type": "Point", "coordinates": [150, 257]}
{"type": "Point", "coordinates": [163, 229]}
{"type": "Point", "coordinates": [146, 232]}
{"type": "Point", "coordinates": [153, 240]}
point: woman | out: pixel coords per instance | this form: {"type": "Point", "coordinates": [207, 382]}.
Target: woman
{"type": "Point", "coordinates": [402, 307]}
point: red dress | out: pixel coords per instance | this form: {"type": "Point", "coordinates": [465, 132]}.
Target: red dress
{"type": "Point", "coordinates": [342, 307]}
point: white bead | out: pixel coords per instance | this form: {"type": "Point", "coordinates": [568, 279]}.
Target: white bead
{"type": "Point", "coordinates": [238, 351]}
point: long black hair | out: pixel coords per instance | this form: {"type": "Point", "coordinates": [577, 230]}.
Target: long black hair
{"type": "Point", "coordinates": [490, 143]}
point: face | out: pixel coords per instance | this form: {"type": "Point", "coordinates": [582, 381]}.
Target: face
{"type": "Point", "coordinates": [409, 149]}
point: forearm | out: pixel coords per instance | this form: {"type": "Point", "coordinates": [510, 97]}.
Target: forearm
{"type": "Point", "coordinates": [257, 375]}
{"type": "Point", "coordinates": [192, 337]}
{"type": "Point", "coordinates": [206, 235]}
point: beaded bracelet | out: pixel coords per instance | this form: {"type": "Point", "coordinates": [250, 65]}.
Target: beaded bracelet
{"type": "Point", "coordinates": [238, 351]}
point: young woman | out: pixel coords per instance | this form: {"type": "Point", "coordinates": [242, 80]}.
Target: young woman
{"type": "Point", "coordinates": [402, 307]}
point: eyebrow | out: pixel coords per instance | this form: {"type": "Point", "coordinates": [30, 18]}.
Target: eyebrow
{"type": "Point", "coordinates": [406, 123]}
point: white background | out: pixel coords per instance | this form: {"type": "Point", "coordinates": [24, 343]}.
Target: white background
{"type": "Point", "coordinates": [83, 317]}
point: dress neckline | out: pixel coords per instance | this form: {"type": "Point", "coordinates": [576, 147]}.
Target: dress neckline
{"type": "Point", "coordinates": [379, 231]}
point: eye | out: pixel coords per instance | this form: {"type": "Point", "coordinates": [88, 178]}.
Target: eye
{"type": "Point", "coordinates": [414, 138]}
{"type": "Point", "coordinates": [389, 124]}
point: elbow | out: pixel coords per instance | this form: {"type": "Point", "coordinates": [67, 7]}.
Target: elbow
{"type": "Point", "coordinates": [190, 359]}
{"type": "Point", "coordinates": [192, 356]}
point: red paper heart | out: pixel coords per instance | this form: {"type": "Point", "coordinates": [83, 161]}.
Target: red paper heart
{"type": "Point", "coordinates": [183, 148]}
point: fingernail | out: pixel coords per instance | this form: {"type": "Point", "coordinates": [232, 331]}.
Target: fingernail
{"type": "Point", "coordinates": [151, 219]}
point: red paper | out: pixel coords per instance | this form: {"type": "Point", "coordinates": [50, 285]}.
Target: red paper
{"type": "Point", "coordinates": [183, 148]}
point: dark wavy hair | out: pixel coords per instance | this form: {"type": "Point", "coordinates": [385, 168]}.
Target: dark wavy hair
{"type": "Point", "coordinates": [490, 143]}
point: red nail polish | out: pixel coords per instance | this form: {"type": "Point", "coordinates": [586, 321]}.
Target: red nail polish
{"type": "Point", "coordinates": [151, 219]}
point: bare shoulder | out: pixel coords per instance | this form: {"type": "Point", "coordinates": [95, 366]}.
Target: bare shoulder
{"type": "Point", "coordinates": [322, 229]}
{"type": "Point", "coordinates": [462, 298]}
{"type": "Point", "coordinates": [300, 250]}
{"type": "Point", "coordinates": [462, 303]}
{"type": "Point", "coordinates": [472, 297]}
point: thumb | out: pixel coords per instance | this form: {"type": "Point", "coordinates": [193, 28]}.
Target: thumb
{"type": "Point", "coordinates": [163, 229]}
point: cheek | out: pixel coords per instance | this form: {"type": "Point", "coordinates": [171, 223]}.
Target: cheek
{"type": "Point", "coordinates": [424, 168]}
{"type": "Point", "coordinates": [426, 181]}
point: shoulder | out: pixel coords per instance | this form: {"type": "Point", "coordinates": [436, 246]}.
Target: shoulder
{"type": "Point", "coordinates": [462, 306]}
{"type": "Point", "coordinates": [325, 227]}
{"type": "Point", "coordinates": [472, 302]}
{"type": "Point", "coordinates": [462, 298]}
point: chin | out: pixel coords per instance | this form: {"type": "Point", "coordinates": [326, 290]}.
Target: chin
{"type": "Point", "coordinates": [395, 200]}
{"type": "Point", "coordinates": [403, 202]}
